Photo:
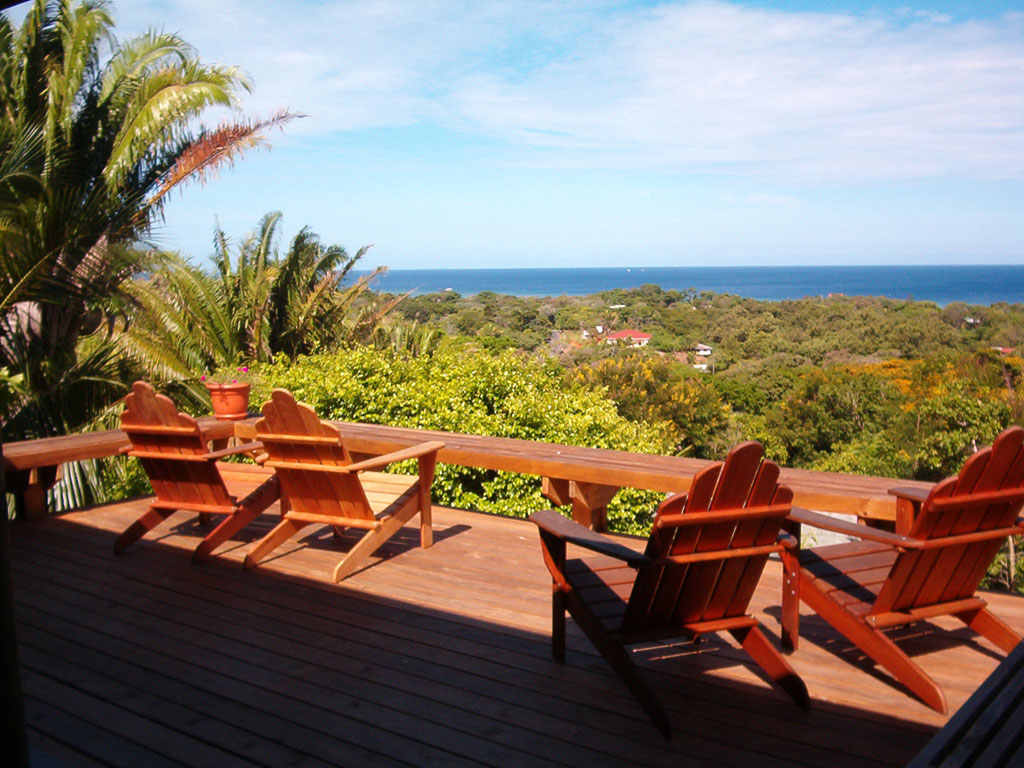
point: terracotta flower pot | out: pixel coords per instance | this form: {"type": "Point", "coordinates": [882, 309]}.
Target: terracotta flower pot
{"type": "Point", "coordinates": [230, 401]}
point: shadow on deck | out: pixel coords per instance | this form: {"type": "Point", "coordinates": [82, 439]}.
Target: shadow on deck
{"type": "Point", "coordinates": [438, 657]}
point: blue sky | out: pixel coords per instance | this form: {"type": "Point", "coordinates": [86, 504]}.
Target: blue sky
{"type": "Point", "coordinates": [601, 133]}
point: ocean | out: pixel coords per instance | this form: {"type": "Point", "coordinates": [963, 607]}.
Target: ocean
{"type": "Point", "coordinates": [974, 284]}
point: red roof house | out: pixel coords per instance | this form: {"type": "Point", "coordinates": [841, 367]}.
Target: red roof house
{"type": "Point", "coordinates": [631, 338]}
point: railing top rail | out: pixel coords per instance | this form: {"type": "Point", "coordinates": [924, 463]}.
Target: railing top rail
{"type": "Point", "coordinates": [829, 491]}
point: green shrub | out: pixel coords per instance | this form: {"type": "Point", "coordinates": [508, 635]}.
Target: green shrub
{"type": "Point", "coordinates": [462, 390]}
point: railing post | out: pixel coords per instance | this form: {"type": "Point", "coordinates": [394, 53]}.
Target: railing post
{"type": "Point", "coordinates": [589, 500]}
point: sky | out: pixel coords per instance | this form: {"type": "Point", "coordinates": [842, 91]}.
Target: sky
{"type": "Point", "coordinates": [456, 134]}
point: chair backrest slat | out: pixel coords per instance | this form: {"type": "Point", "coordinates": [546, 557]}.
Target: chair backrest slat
{"type": "Point", "coordinates": [310, 491]}
{"type": "Point", "coordinates": [984, 489]}
{"type": "Point", "coordinates": [766, 491]}
{"type": "Point", "coordinates": [669, 595]}
{"type": "Point", "coordinates": [154, 426]}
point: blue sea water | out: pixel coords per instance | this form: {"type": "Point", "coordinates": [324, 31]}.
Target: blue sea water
{"type": "Point", "coordinates": [974, 284]}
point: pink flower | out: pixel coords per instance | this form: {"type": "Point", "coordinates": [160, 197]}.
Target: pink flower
{"type": "Point", "coordinates": [203, 377]}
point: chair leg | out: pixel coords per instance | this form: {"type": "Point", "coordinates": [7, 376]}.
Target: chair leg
{"type": "Point", "coordinates": [771, 661]}
{"type": "Point", "coordinates": [557, 622]}
{"type": "Point", "coordinates": [247, 510]}
{"type": "Point", "coordinates": [987, 624]}
{"type": "Point", "coordinates": [620, 661]}
{"type": "Point", "coordinates": [278, 536]}
{"type": "Point", "coordinates": [790, 600]}
{"type": "Point", "coordinates": [150, 520]}
{"type": "Point", "coordinates": [553, 550]}
{"type": "Point", "coordinates": [427, 467]}
{"type": "Point", "coordinates": [367, 545]}
{"type": "Point", "coordinates": [228, 528]}
{"type": "Point", "coordinates": [426, 524]}
{"type": "Point", "coordinates": [878, 646]}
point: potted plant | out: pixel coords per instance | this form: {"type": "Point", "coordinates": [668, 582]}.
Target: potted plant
{"type": "Point", "coordinates": [229, 393]}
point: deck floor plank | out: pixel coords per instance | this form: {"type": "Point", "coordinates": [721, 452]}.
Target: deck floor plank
{"type": "Point", "coordinates": [336, 685]}
{"type": "Point", "coordinates": [268, 647]}
{"type": "Point", "coordinates": [437, 656]}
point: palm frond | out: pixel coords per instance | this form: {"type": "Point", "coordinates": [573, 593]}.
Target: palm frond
{"type": "Point", "coordinates": [134, 58]}
{"type": "Point", "coordinates": [216, 149]}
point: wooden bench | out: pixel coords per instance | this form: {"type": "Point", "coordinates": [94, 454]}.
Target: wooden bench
{"type": "Point", "coordinates": [988, 730]}
{"type": "Point", "coordinates": [31, 466]}
{"type": "Point", "coordinates": [588, 478]}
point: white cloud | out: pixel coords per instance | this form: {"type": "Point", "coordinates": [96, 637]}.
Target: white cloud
{"type": "Point", "coordinates": [703, 86]}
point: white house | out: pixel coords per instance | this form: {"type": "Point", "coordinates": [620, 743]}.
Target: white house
{"type": "Point", "coordinates": [702, 349]}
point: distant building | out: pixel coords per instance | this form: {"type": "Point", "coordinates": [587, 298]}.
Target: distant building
{"type": "Point", "coordinates": [701, 366]}
{"type": "Point", "coordinates": [631, 338]}
{"type": "Point", "coordinates": [1004, 350]}
{"type": "Point", "coordinates": [702, 349]}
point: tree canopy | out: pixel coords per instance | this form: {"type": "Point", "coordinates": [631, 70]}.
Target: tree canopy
{"type": "Point", "coordinates": [94, 134]}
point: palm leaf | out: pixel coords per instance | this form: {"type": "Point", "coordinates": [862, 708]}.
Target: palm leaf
{"type": "Point", "coordinates": [216, 149]}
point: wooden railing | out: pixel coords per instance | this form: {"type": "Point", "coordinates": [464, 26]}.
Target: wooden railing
{"type": "Point", "coordinates": [586, 478]}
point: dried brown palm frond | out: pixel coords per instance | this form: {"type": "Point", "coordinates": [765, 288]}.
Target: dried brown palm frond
{"type": "Point", "coordinates": [216, 149]}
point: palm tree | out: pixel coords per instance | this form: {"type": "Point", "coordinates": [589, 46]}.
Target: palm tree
{"type": "Point", "coordinates": [307, 307]}
{"type": "Point", "coordinates": [94, 135]}
{"type": "Point", "coordinates": [254, 305]}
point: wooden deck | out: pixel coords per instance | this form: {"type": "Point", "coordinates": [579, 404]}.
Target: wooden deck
{"type": "Point", "coordinates": [434, 657]}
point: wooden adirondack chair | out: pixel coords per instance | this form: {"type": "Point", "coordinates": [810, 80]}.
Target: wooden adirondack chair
{"type": "Point", "coordinates": [321, 484]}
{"type": "Point", "coordinates": [185, 474]}
{"type": "Point", "coordinates": [704, 558]}
{"type": "Point", "coordinates": [952, 534]}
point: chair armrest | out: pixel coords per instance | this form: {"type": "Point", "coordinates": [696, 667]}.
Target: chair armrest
{"type": "Point", "coordinates": [788, 540]}
{"type": "Point", "coordinates": [552, 522]}
{"type": "Point", "coordinates": [244, 448]}
{"type": "Point", "coordinates": [413, 452]}
{"type": "Point", "coordinates": [917, 495]}
{"type": "Point", "coordinates": [806, 516]}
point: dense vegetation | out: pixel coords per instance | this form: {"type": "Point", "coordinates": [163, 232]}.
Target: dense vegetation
{"type": "Point", "coordinates": [459, 390]}
{"type": "Point", "coordinates": [811, 331]}
{"type": "Point", "coordinates": [854, 384]}
{"type": "Point", "coordinates": [899, 389]}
